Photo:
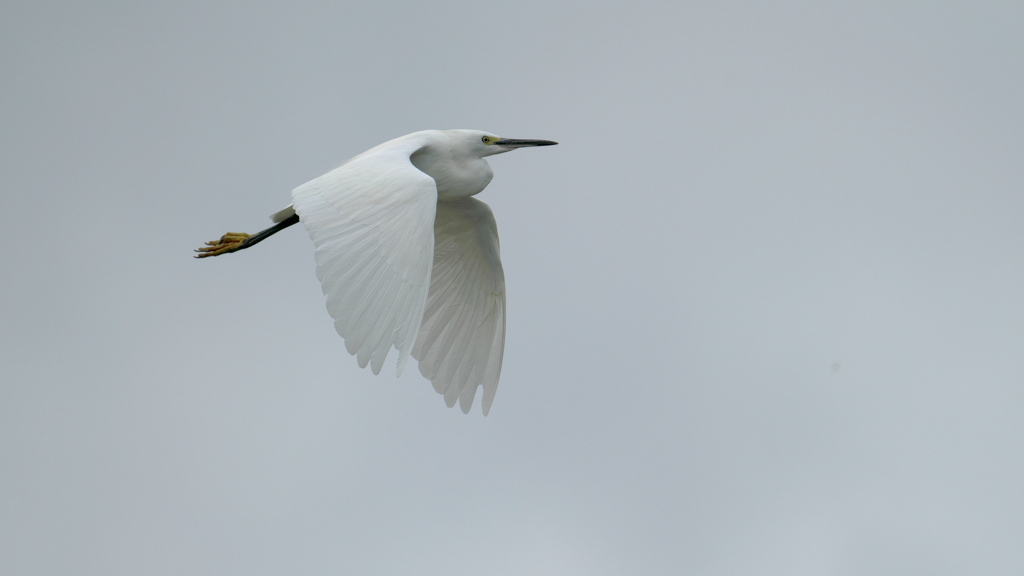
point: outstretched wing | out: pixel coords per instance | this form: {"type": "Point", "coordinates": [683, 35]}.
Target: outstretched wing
{"type": "Point", "coordinates": [371, 221]}
{"type": "Point", "coordinates": [462, 339]}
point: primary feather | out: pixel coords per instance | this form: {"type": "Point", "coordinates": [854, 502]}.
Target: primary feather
{"type": "Point", "coordinates": [374, 246]}
{"type": "Point", "coordinates": [462, 339]}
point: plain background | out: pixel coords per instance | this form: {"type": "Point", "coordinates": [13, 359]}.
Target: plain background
{"type": "Point", "coordinates": [765, 300]}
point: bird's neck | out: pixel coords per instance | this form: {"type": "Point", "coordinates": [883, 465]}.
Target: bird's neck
{"type": "Point", "coordinates": [454, 178]}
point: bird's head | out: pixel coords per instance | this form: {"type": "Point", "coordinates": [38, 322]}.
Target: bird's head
{"type": "Point", "coordinates": [483, 144]}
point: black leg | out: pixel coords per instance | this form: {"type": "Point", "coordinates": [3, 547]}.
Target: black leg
{"type": "Point", "coordinates": [235, 241]}
{"type": "Point", "coordinates": [263, 235]}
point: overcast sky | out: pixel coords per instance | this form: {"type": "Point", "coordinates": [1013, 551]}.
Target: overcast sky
{"type": "Point", "coordinates": [765, 300]}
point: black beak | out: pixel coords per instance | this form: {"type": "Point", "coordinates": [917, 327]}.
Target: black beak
{"type": "Point", "coordinates": [516, 143]}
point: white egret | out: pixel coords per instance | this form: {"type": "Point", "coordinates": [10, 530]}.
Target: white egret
{"type": "Point", "coordinates": [406, 258]}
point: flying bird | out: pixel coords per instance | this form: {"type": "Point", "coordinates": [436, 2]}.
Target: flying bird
{"type": "Point", "coordinates": [407, 258]}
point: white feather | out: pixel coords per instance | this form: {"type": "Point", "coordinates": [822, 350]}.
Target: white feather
{"type": "Point", "coordinates": [371, 221]}
{"type": "Point", "coordinates": [462, 339]}
{"type": "Point", "coordinates": [407, 259]}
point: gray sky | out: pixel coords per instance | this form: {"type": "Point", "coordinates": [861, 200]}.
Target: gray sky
{"type": "Point", "coordinates": [765, 300]}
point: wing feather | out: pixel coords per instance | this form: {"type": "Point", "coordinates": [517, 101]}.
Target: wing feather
{"type": "Point", "coordinates": [462, 338]}
{"type": "Point", "coordinates": [372, 222]}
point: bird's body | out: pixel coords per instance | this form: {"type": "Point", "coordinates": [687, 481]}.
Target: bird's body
{"type": "Point", "coordinates": [407, 259]}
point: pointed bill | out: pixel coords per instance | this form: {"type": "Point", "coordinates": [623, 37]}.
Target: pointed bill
{"type": "Point", "coordinates": [520, 143]}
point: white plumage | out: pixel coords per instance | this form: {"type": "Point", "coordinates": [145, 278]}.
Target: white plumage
{"type": "Point", "coordinates": [462, 339]}
{"type": "Point", "coordinates": [407, 259]}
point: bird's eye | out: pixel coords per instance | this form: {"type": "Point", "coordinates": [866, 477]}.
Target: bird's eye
{"type": "Point", "coordinates": [485, 140]}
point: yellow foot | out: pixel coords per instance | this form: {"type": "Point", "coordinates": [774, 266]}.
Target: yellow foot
{"type": "Point", "coordinates": [229, 242]}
